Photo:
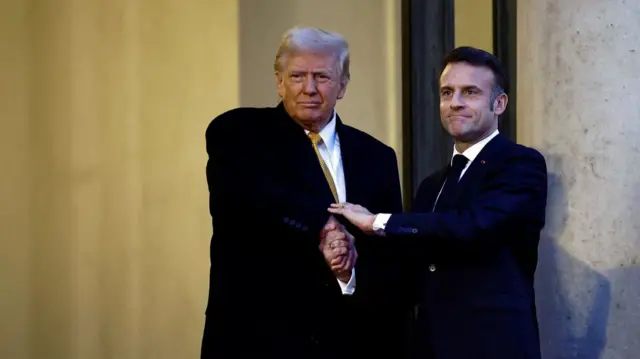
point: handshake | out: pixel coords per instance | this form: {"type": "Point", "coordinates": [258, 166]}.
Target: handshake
{"type": "Point", "coordinates": [338, 248]}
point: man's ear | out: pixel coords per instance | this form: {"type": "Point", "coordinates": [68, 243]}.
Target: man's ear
{"type": "Point", "coordinates": [500, 104]}
{"type": "Point", "coordinates": [280, 83]}
{"type": "Point", "coordinates": [342, 90]}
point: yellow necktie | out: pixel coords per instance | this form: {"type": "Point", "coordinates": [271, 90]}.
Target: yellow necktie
{"type": "Point", "coordinates": [315, 140]}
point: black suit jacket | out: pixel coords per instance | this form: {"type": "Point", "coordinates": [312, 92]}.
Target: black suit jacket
{"type": "Point", "coordinates": [478, 261]}
{"type": "Point", "coordinates": [271, 292]}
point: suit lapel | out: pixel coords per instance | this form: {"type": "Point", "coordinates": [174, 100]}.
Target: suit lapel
{"type": "Point", "coordinates": [434, 189]}
{"type": "Point", "coordinates": [354, 174]}
{"type": "Point", "coordinates": [478, 167]}
{"type": "Point", "coordinates": [299, 158]}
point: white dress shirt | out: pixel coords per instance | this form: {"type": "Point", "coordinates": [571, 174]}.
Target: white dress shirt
{"type": "Point", "coordinates": [329, 149]}
{"type": "Point", "coordinates": [380, 223]}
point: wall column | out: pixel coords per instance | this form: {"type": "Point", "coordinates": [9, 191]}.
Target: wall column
{"type": "Point", "coordinates": [578, 90]}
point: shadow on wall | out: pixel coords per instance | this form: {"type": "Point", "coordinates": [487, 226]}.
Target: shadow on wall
{"type": "Point", "coordinates": [573, 300]}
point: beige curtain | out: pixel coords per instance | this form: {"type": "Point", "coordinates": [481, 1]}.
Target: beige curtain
{"type": "Point", "coordinates": [105, 103]}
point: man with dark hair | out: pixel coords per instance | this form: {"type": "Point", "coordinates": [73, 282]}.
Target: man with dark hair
{"type": "Point", "coordinates": [475, 224]}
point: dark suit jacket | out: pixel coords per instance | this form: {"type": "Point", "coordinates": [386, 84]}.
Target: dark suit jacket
{"type": "Point", "coordinates": [271, 292]}
{"type": "Point", "coordinates": [478, 260]}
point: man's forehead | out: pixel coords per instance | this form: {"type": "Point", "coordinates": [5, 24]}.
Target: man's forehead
{"type": "Point", "coordinates": [312, 56]}
{"type": "Point", "coordinates": [462, 73]}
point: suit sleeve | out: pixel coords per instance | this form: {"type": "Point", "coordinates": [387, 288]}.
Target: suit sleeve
{"type": "Point", "coordinates": [515, 194]}
{"type": "Point", "coordinates": [241, 183]}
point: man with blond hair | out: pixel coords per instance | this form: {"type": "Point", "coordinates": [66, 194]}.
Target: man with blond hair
{"type": "Point", "coordinates": [287, 279]}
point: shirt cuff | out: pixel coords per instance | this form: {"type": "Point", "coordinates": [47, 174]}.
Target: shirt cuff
{"type": "Point", "coordinates": [349, 288]}
{"type": "Point", "coordinates": [380, 223]}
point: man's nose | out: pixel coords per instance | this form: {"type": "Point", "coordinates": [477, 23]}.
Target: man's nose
{"type": "Point", "coordinates": [456, 100]}
{"type": "Point", "coordinates": [309, 85]}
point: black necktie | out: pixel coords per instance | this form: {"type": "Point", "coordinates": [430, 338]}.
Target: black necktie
{"type": "Point", "coordinates": [449, 193]}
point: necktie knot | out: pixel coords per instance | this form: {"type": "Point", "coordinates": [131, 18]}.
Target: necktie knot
{"type": "Point", "coordinates": [459, 162]}
{"type": "Point", "coordinates": [315, 137]}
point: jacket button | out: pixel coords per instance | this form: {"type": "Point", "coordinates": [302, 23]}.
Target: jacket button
{"type": "Point", "coordinates": [285, 219]}
{"type": "Point", "coordinates": [432, 268]}
{"type": "Point", "coordinates": [414, 230]}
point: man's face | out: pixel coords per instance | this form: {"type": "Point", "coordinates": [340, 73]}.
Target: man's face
{"type": "Point", "coordinates": [310, 85]}
{"type": "Point", "coordinates": [468, 110]}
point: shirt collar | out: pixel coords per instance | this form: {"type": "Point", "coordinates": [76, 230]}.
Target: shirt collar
{"type": "Point", "coordinates": [328, 132]}
{"type": "Point", "coordinates": [472, 152]}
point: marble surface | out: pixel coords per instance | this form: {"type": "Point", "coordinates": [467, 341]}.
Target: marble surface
{"type": "Point", "coordinates": [578, 103]}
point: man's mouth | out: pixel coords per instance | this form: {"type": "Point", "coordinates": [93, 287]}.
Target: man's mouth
{"type": "Point", "coordinates": [310, 104]}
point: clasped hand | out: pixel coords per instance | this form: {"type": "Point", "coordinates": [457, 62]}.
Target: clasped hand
{"type": "Point", "coordinates": [338, 248]}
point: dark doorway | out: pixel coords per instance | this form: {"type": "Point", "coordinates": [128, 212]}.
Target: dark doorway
{"type": "Point", "coordinates": [504, 46]}
{"type": "Point", "coordinates": [427, 33]}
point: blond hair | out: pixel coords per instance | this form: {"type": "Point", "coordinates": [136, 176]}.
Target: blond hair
{"type": "Point", "coordinates": [308, 39]}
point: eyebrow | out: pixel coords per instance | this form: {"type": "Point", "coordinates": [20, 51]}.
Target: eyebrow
{"type": "Point", "coordinates": [315, 72]}
{"type": "Point", "coordinates": [464, 87]}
